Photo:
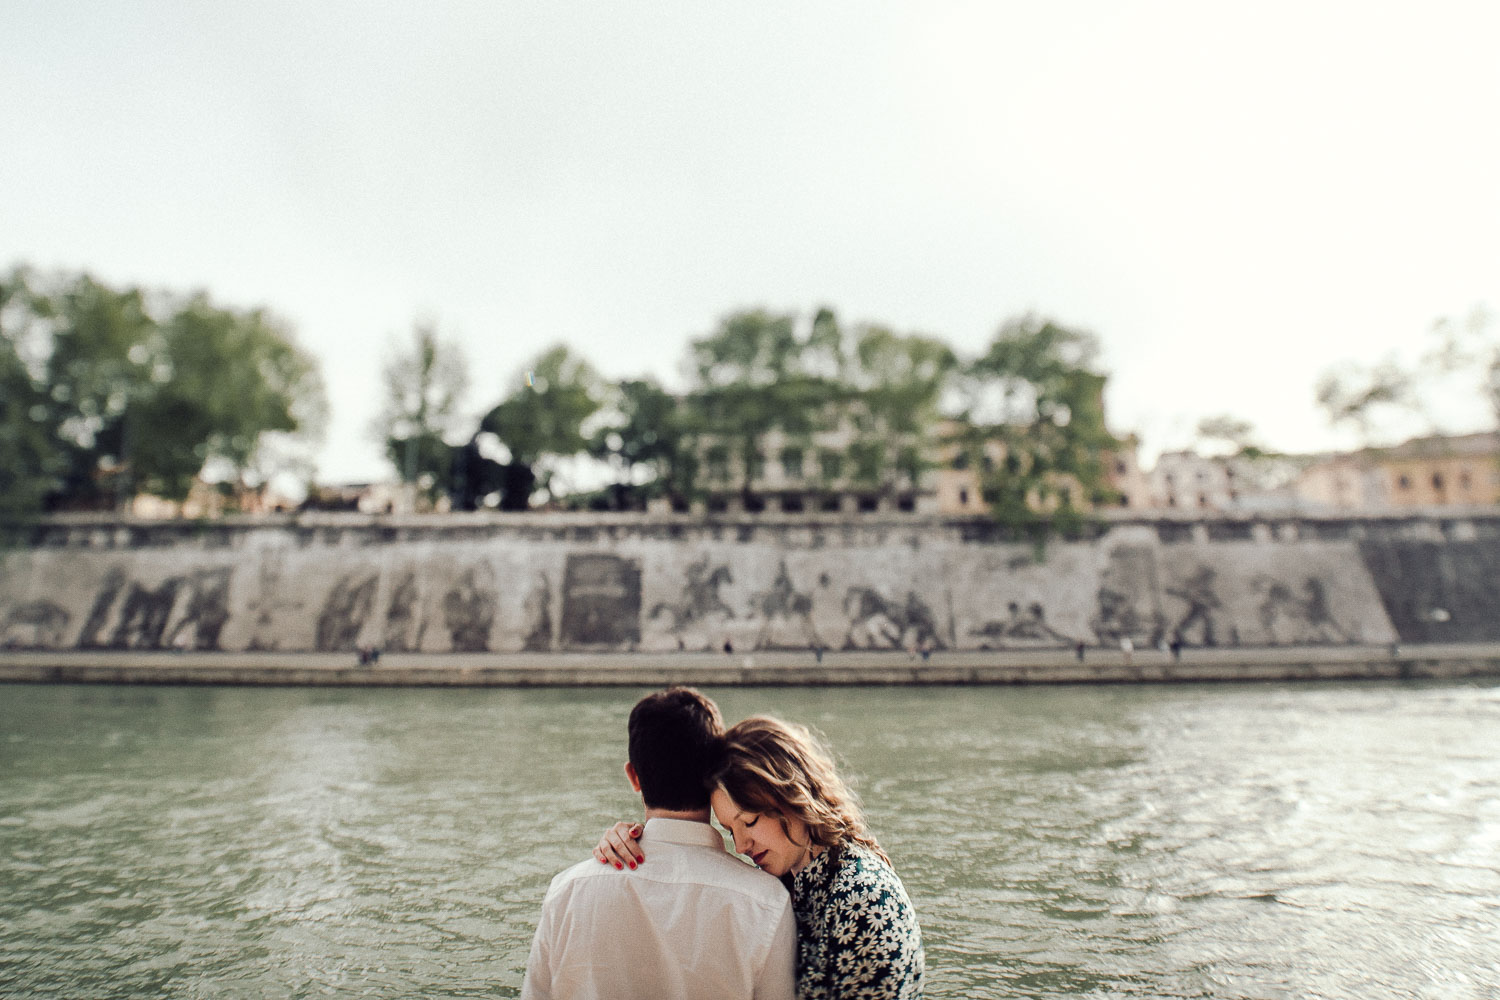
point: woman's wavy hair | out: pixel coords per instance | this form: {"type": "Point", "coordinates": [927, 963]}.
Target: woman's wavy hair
{"type": "Point", "coordinates": [781, 769]}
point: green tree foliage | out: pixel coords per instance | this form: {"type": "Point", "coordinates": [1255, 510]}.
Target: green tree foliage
{"type": "Point", "coordinates": [227, 382]}
{"type": "Point", "coordinates": [754, 373]}
{"type": "Point", "coordinates": [1036, 392]}
{"type": "Point", "coordinates": [135, 393]}
{"type": "Point", "coordinates": [643, 443]}
{"type": "Point", "coordinates": [897, 385]}
{"type": "Point", "coordinates": [423, 384]}
{"type": "Point", "coordinates": [901, 379]}
{"type": "Point", "coordinates": [30, 466]}
{"type": "Point", "coordinates": [543, 421]}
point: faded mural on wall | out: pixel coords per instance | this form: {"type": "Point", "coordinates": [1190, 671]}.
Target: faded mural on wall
{"type": "Point", "coordinates": [601, 602]}
{"type": "Point", "coordinates": [34, 625]}
{"type": "Point", "coordinates": [559, 597]}
{"type": "Point", "coordinates": [182, 612]}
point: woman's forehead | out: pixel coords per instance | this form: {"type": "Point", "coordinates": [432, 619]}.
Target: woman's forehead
{"type": "Point", "coordinates": [724, 803]}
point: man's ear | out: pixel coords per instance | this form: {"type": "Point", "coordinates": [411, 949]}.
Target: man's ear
{"type": "Point", "coordinates": [632, 777]}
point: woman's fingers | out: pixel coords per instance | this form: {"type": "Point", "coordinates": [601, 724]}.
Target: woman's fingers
{"type": "Point", "coordinates": [620, 846]}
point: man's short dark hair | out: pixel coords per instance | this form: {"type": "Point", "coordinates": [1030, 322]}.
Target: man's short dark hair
{"type": "Point", "coordinates": [676, 738]}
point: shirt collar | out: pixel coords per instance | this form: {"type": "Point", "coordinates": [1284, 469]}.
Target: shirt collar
{"type": "Point", "coordinates": [688, 832]}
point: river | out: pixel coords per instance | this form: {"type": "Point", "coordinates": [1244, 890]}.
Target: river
{"type": "Point", "coordinates": [1236, 841]}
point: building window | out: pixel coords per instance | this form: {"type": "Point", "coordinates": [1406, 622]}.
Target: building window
{"type": "Point", "coordinates": [833, 464]}
{"type": "Point", "coordinates": [909, 463]}
{"type": "Point", "coordinates": [755, 465]}
{"type": "Point", "coordinates": [1124, 499]}
{"type": "Point", "coordinates": [961, 461]}
{"type": "Point", "coordinates": [867, 462]}
{"type": "Point", "coordinates": [791, 463]}
{"type": "Point", "coordinates": [1465, 481]}
{"type": "Point", "coordinates": [1403, 482]}
{"type": "Point", "coordinates": [1121, 468]}
{"type": "Point", "coordinates": [718, 463]}
{"type": "Point", "coordinates": [1437, 481]}
{"type": "Point", "coordinates": [963, 498]}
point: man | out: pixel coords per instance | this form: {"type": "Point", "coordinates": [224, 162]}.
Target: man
{"type": "Point", "coordinates": [695, 922]}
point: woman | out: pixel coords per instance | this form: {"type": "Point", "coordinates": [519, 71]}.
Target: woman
{"type": "Point", "coordinates": [780, 797]}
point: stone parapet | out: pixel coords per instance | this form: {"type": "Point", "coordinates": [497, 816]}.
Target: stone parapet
{"type": "Point", "coordinates": [670, 583]}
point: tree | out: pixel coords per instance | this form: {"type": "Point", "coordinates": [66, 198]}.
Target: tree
{"type": "Point", "coordinates": [754, 373]}
{"type": "Point", "coordinates": [1357, 395]}
{"type": "Point", "coordinates": [29, 463]}
{"type": "Point", "coordinates": [228, 382]}
{"type": "Point", "coordinates": [643, 442]}
{"type": "Point", "coordinates": [543, 421]}
{"type": "Point", "coordinates": [896, 385]}
{"type": "Point", "coordinates": [1035, 392]}
{"type": "Point", "coordinates": [1225, 433]}
{"type": "Point", "coordinates": [104, 357]}
{"type": "Point", "coordinates": [423, 385]}
{"type": "Point", "coordinates": [1452, 382]}
{"type": "Point", "coordinates": [146, 392]}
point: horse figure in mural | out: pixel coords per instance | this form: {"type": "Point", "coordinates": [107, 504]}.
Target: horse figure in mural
{"type": "Point", "coordinates": [783, 602]}
{"type": "Point", "coordinates": [1289, 618]}
{"type": "Point", "coordinates": [1026, 628]}
{"type": "Point", "coordinates": [1118, 618]}
{"type": "Point", "coordinates": [888, 624]}
{"type": "Point", "coordinates": [699, 597]}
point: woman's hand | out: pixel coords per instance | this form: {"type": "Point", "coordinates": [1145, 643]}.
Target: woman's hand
{"type": "Point", "coordinates": [620, 846]}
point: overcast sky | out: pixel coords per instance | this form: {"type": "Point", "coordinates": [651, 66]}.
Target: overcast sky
{"type": "Point", "coordinates": [1233, 197]}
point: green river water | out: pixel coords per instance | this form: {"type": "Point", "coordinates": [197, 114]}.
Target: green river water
{"type": "Point", "coordinates": [1244, 841]}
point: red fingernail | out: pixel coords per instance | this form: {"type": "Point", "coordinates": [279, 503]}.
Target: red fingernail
{"type": "Point", "coordinates": [619, 867]}
{"type": "Point", "coordinates": [604, 861]}
{"type": "Point", "coordinates": [640, 861]}
{"type": "Point", "coordinates": [632, 866]}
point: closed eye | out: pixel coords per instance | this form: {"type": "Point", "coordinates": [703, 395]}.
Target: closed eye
{"type": "Point", "coordinates": [750, 823]}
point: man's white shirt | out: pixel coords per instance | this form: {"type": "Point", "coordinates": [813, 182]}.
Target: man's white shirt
{"type": "Point", "coordinates": [692, 921]}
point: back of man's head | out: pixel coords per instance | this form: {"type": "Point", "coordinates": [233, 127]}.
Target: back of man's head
{"type": "Point", "coordinates": [676, 737]}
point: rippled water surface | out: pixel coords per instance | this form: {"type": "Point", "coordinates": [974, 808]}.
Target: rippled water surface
{"type": "Point", "coordinates": [1216, 841]}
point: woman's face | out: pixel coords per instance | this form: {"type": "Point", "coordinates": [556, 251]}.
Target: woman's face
{"type": "Point", "coordinates": [760, 838]}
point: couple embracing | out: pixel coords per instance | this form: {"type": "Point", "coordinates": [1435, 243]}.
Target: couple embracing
{"type": "Point", "coordinates": [664, 911]}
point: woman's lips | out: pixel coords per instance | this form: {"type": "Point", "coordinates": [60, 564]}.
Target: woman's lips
{"type": "Point", "coordinates": [758, 858]}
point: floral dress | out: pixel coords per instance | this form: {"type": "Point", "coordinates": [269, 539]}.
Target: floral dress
{"type": "Point", "coordinates": [857, 933]}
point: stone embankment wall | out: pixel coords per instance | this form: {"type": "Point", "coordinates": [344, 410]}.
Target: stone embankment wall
{"type": "Point", "coordinates": [541, 583]}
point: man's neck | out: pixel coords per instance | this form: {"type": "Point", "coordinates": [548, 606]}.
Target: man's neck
{"type": "Point", "coordinates": [691, 815]}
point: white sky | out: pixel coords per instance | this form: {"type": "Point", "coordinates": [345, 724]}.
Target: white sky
{"type": "Point", "coordinates": [1234, 197]}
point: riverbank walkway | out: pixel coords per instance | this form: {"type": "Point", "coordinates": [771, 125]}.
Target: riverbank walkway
{"type": "Point", "coordinates": [798, 667]}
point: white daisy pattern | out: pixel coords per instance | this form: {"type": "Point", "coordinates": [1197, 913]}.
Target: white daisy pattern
{"type": "Point", "coordinates": [857, 932]}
